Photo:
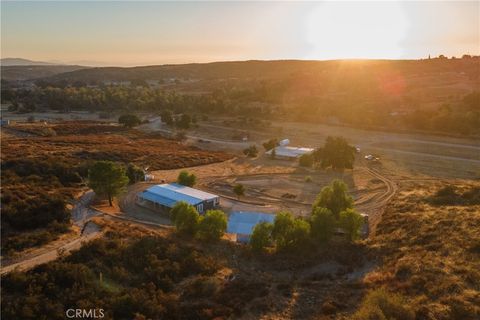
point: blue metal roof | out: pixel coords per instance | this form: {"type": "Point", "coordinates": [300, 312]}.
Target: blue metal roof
{"type": "Point", "coordinates": [243, 222]}
{"type": "Point", "coordinates": [169, 194]}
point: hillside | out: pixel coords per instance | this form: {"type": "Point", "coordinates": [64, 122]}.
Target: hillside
{"type": "Point", "coordinates": [23, 62]}
{"type": "Point", "coordinates": [30, 72]}
{"type": "Point", "coordinates": [273, 69]}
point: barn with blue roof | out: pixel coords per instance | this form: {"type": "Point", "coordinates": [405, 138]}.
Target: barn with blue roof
{"type": "Point", "coordinates": [163, 197]}
{"type": "Point", "coordinates": [242, 223]}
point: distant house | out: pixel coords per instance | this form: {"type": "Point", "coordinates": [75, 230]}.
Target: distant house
{"type": "Point", "coordinates": [289, 153]}
{"type": "Point", "coordinates": [163, 197]}
{"type": "Point", "coordinates": [242, 223]}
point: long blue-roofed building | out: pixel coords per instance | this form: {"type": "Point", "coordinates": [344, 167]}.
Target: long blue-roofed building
{"type": "Point", "coordinates": [163, 197]}
{"type": "Point", "coordinates": [242, 223]}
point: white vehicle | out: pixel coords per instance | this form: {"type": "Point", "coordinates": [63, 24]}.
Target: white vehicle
{"type": "Point", "coordinates": [370, 157]}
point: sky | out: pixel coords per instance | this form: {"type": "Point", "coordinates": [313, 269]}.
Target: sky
{"type": "Point", "coordinates": [128, 33]}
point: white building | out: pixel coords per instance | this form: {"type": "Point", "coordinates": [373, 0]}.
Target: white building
{"type": "Point", "coordinates": [289, 153]}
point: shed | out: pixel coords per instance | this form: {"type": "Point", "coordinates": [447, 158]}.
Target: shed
{"type": "Point", "coordinates": [242, 223]}
{"type": "Point", "coordinates": [163, 197]}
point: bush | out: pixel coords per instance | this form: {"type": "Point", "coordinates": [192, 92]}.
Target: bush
{"type": "Point", "coordinates": [129, 120]}
{"type": "Point", "coordinates": [351, 222]}
{"type": "Point", "coordinates": [261, 236]}
{"type": "Point", "coordinates": [185, 218]}
{"type": "Point", "coordinates": [308, 179]}
{"type": "Point", "coordinates": [322, 224]}
{"type": "Point", "coordinates": [379, 304]}
{"type": "Point", "coordinates": [251, 151]}
{"type": "Point", "coordinates": [334, 197]}
{"type": "Point", "coordinates": [239, 190]}
{"type": "Point", "coordinates": [270, 144]}
{"type": "Point", "coordinates": [213, 225]}
{"type": "Point", "coordinates": [449, 196]}
{"type": "Point", "coordinates": [186, 179]}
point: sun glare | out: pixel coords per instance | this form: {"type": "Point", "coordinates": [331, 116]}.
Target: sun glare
{"type": "Point", "coordinates": [356, 30]}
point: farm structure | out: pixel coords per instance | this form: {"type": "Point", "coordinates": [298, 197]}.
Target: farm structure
{"type": "Point", "coordinates": [163, 197]}
{"type": "Point", "coordinates": [289, 153]}
{"type": "Point", "coordinates": [242, 223]}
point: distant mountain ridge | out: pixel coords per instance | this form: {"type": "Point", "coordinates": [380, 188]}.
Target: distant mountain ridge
{"type": "Point", "coordinates": [25, 62]}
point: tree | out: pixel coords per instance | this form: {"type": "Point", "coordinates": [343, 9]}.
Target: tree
{"type": "Point", "coordinates": [306, 160]}
{"type": "Point", "coordinates": [135, 174]}
{"type": "Point", "coordinates": [261, 236]}
{"type": "Point", "coordinates": [351, 222]}
{"type": "Point", "coordinates": [251, 151]}
{"type": "Point", "coordinates": [129, 120]}
{"type": "Point", "coordinates": [239, 190]}
{"type": "Point", "coordinates": [186, 179]}
{"type": "Point", "coordinates": [107, 178]}
{"type": "Point", "coordinates": [167, 117]}
{"type": "Point", "coordinates": [322, 224]}
{"type": "Point", "coordinates": [184, 122]}
{"type": "Point", "coordinates": [185, 218]}
{"type": "Point", "coordinates": [213, 225]}
{"type": "Point", "coordinates": [334, 197]}
{"type": "Point", "coordinates": [336, 153]}
{"type": "Point", "coordinates": [298, 237]}
{"type": "Point", "coordinates": [289, 232]}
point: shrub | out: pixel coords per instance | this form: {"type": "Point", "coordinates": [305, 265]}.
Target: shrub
{"type": "Point", "coordinates": [270, 144]}
{"type": "Point", "coordinates": [334, 197]}
{"type": "Point", "coordinates": [251, 151]}
{"type": "Point", "coordinates": [380, 304]}
{"type": "Point", "coordinates": [308, 179]}
{"type": "Point", "coordinates": [186, 179]}
{"type": "Point", "coordinates": [239, 190]}
{"type": "Point", "coordinates": [129, 120]}
{"type": "Point", "coordinates": [351, 222]}
{"type": "Point", "coordinates": [261, 236]}
{"type": "Point", "coordinates": [322, 224]}
{"type": "Point", "coordinates": [213, 225]}
{"type": "Point", "coordinates": [185, 218]}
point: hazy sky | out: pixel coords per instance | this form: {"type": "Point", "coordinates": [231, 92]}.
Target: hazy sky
{"type": "Point", "coordinates": [140, 33]}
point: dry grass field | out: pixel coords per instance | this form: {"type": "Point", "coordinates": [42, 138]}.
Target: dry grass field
{"type": "Point", "coordinates": [430, 253]}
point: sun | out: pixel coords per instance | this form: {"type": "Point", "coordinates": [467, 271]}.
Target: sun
{"type": "Point", "coordinates": [356, 30]}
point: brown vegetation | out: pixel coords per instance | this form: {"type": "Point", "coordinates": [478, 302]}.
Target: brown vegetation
{"type": "Point", "coordinates": [430, 253]}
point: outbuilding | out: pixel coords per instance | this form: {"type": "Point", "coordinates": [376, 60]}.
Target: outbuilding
{"type": "Point", "coordinates": [163, 197]}
{"type": "Point", "coordinates": [242, 223]}
{"type": "Point", "coordinates": [289, 153]}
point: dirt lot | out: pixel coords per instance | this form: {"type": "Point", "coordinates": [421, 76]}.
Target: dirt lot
{"type": "Point", "coordinates": [273, 186]}
{"type": "Point", "coordinates": [402, 153]}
